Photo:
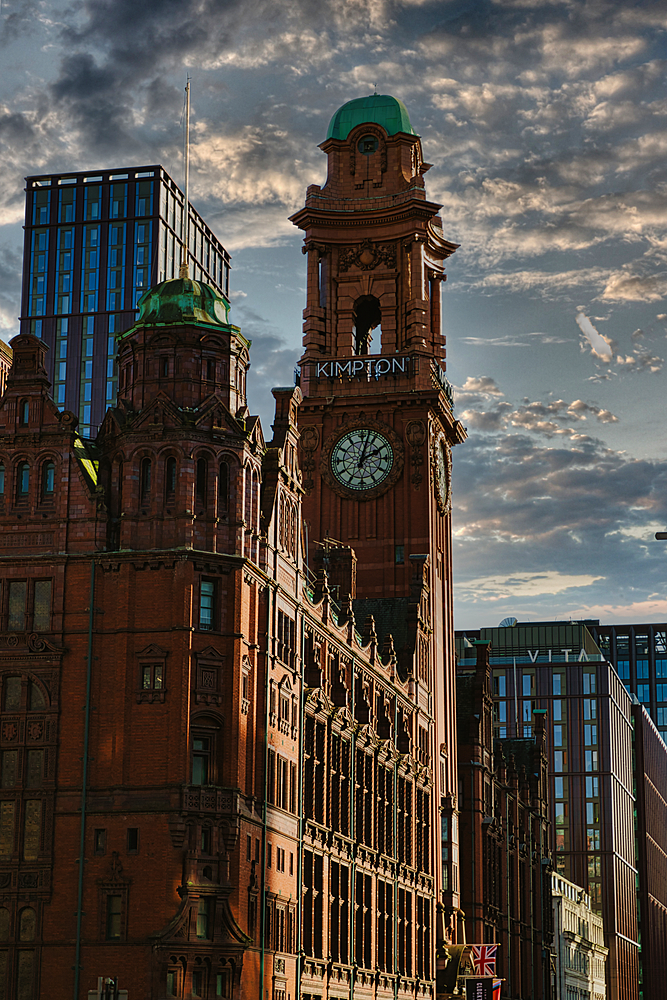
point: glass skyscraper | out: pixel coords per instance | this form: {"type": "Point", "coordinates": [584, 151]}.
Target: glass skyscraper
{"type": "Point", "coordinates": [94, 243]}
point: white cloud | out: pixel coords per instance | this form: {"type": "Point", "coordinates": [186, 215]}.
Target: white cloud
{"type": "Point", "coordinates": [498, 587]}
{"type": "Point", "coordinates": [599, 344]}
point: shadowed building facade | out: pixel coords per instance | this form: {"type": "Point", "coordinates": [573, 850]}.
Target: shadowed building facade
{"type": "Point", "coordinates": [223, 776]}
{"type": "Point", "coordinates": [504, 837]}
{"type": "Point", "coordinates": [558, 667]}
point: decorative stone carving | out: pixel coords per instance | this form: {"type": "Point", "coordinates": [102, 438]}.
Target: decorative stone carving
{"type": "Point", "coordinates": [415, 432]}
{"type": "Point", "coordinates": [310, 438]}
{"type": "Point", "coordinates": [367, 256]}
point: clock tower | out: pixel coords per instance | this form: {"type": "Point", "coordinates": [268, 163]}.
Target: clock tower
{"type": "Point", "coordinates": [377, 425]}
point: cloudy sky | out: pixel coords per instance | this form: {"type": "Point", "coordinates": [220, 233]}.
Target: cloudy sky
{"type": "Point", "coordinates": [546, 123]}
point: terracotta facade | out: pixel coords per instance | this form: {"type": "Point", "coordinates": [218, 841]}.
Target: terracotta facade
{"type": "Point", "coordinates": [224, 772]}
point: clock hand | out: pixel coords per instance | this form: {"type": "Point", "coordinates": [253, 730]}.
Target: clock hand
{"type": "Point", "coordinates": [363, 452]}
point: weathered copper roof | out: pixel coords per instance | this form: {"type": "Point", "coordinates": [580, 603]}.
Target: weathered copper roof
{"type": "Point", "coordinates": [381, 109]}
{"type": "Point", "coordinates": [182, 301]}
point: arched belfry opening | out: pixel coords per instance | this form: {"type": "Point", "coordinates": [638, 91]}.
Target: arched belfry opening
{"type": "Point", "coordinates": [367, 317]}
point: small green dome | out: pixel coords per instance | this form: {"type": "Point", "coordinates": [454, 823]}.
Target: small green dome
{"type": "Point", "coordinates": [182, 301]}
{"type": "Point", "coordinates": [381, 109]}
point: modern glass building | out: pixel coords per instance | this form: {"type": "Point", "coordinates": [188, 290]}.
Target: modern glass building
{"type": "Point", "coordinates": [94, 243]}
{"type": "Point", "coordinates": [639, 654]}
{"type": "Point", "coordinates": [559, 667]}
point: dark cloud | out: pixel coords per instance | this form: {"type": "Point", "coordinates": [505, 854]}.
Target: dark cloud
{"type": "Point", "coordinates": [272, 364]}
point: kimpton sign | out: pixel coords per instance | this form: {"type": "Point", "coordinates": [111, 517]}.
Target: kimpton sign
{"type": "Point", "coordinates": [370, 367]}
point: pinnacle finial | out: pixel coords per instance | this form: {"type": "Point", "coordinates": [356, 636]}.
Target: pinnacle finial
{"type": "Point", "coordinates": [184, 271]}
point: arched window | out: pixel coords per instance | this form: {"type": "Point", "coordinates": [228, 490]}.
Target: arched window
{"type": "Point", "coordinates": [367, 316]}
{"type": "Point", "coordinates": [48, 480]}
{"type": "Point", "coordinates": [170, 480]}
{"type": "Point", "coordinates": [23, 482]}
{"type": "Point", "coordinates": [202, 481]}
{"type": "Point", "coordinates": [223, 488]}
{"type": "Point", "coordinates": [146, 475]}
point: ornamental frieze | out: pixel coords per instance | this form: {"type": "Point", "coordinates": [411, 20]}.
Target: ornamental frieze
{"type": "Point", "coordinates": [30, 642]}
{"type": "Point", "coordinates": [367, 256]}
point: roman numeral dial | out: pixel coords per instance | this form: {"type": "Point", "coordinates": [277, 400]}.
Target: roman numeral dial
{"type": "Point", "coordinates": [362, 459]}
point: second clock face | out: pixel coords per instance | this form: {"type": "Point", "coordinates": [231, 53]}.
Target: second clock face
{"type": "Point", "coordinates": [362, 459]}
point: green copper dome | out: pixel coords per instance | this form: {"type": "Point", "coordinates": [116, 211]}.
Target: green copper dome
{"type": "Point", "coordinates": [381, 109]}
{"type": "Point", "coordinates": [182, 301]}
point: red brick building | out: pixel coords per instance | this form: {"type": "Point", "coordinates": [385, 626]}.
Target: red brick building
{"type": "Point", "coordinates": [255, 764]}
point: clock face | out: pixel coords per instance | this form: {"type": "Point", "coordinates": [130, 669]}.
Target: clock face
{"type": "Point", "coordinates": [442, 470]}
{"type": "Point", "coordinates": [362, 459]}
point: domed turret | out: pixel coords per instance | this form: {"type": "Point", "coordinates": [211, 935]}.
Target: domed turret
{"type": "Point", "coordinates": [182, 300]}
{"type": "Point", "coordinates": [380, 109]}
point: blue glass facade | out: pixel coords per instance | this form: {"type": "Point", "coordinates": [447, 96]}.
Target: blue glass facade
{"type": "Point", "coordinates": [93, 245]}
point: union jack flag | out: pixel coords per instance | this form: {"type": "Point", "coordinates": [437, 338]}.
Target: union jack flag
{"type": "Point", "coordinates": [484, 959]}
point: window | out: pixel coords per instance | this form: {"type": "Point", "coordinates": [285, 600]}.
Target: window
{"type": "Point", "coordinates": [27, 924]}
{"type": "Point", "coordinates": [114, 909]}
{"type": "Point", "coordinates": [100, 842]}
{"type": "Point", "coordinates": [198, 978]}
{"type": "Point", "coordinates": [9, 764]}
{"type": "Point", "coordinates": [152, 676]}
{"type": "Point", "coordinates": [399, 556]}
{"type": "Point", "coordinates": [223, 487]}
{"type": "Point", "coordinates": [204, 917]}
{"type": "Point", "coordinates": [48, 480]}
{"type": "Point", "coordinates": [23, 483]}
{"type": "Point", "coordinates": [41, 621]}
{"type": "Point", "coordinates": [623, 668]}
{"type": "Point", "coordinates": [286, 638]}
{"type": "Point", "coordinates": [201, 760]}
{"type": "Point", "coordinates": [206, 605]}
{"type": "Point", "coordinates": [145, 480]}
{"type": "Point", "coordinates": [644, 692]}
{"type": "Point", "coordinates": [133, 840]}
{"type": "Point", "coordinates": [172, 983]}
{"type": "Point", "coordinates": [170, 480]}
{"type": "Point", "coordinates": [2, 479]}
{"type": "Point", "coordinates": [642, 669]}
{"type": "Point", "coordinates": [24, 412]}
{"type": "Point", "coordinates": [202, 478]}
{"type": "Point", "coordinates": [17, 599]}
